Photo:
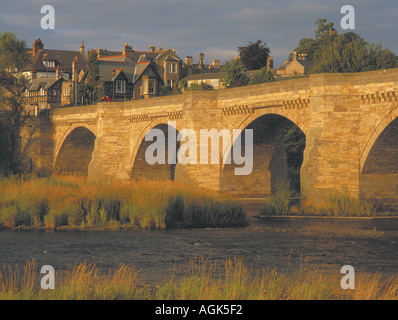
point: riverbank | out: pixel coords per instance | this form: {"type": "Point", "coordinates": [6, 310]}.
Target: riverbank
{"type": "Point", "coordinates": [37, 203]}
{"type": "Point", "coordinates": [200, 280]}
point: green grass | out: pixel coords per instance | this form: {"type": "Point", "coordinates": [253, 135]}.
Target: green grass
{"type": "Point", "coordinates": [72, 202]}
{"type": "Point", "coordinates": [200, 280]}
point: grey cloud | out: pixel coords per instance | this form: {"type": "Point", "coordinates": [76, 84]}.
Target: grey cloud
{"type": "Point", "coordinates": [214, 27]}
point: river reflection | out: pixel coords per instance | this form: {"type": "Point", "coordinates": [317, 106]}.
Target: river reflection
{"type": "Point", "coordinates": [268, 243]}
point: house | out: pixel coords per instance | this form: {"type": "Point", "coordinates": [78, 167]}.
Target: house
{"type": "Point", "coordinates": [43, 94]}
{"type": "Point", "coordinates": [146, 71]}
{"type": "Point", "coordinates": [131, 74]}
{"type": "Point", "coordinates": [298, 66]}
{"type": "Point", "coordinates": [190, 68]}
{"type": "Point", "coordinates": [43, 63]}
{"type": "Point", "coordinates": [211, 80]}
{"type": "Point", "coordinates": [147, 80]}
{"type": "Point", "coordinates": [117, 73]}
{"type": "Point", "coordinates": [53, 77]}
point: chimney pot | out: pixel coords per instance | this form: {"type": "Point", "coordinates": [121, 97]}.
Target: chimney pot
{"type": "Point", "coordinates": [37, 46]}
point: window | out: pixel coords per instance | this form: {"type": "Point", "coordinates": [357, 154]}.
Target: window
{"type": "Point", "coordinates": [214, 83]}
{"type": "Point", "coordinates": [144, 87]}
{"type": "Point", "coordinates": [41, 91]}
{"type": "Point", "coordinates": [49, 64]}
{"type": "Point", "coordinates": [120, 86]}
{"type": "Point", "coordinates": [172, 67]}
{"type": "Point", "coordinates": [26, 93]}
{"type": "Point", "coordinates": [151, 86]}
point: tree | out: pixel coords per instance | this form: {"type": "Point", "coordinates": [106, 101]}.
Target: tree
{"type": "Point", "coordinates": [254, 56]}
{"type": "Point", "coordinates": [313, 47]}
{"type": "Point", "coordinates": [12, 52]}
{"type": "Point", "coordinates": [262, 76]}
{"type": "Point", "coordinates": [350, 53]}
{"type": "Point", "coordinates": [12, 58]}
{"type": "Point", "coordinates": [347, 52]}
{"type": "Point", "coordinates": [236, 75]}
{"type": "Point", "coordinates": [93, 88]}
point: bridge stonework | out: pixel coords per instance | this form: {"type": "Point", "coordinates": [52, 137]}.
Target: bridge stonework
{"type": "Point", "coordinates": [349, 120]}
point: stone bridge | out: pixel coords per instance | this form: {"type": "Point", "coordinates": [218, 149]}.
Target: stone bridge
{"type": "Point", "coordinates": [350, 122]}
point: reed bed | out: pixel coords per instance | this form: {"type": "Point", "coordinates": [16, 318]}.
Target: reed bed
{"type": "Point", "coordinates": [73, 202]}
{"type": "Point", "coordinates": [283, 201]}
{"type": "Point", "coordinates": [201, 280]}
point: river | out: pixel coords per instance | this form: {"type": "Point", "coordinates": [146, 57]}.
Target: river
{"type": "Point", "coordinates": [369, 245]}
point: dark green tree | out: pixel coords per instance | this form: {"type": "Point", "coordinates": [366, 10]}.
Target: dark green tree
{"type": "Point", "coordinates": [12, 58]}
{"type": "Point", "coordinates": [262, 76]}
{"type": "Point", "coordinates": [254, 56]}
{"type": "Point", "coordinates": [347, 52]}
{"type": "Point", "coordinates": [313, 47]}
{"type": "Point", "coordinates": [12, 52]}
{"type": "Point", "coordinates": [236, 75]}
{"type": "Point", "coordinates": [93, 89]}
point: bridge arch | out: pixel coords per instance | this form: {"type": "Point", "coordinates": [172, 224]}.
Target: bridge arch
{"type": "Point", "coordinates": [271, 161]}
{"type": "Point", "coordinates": [74, 152]}
{"type": "Point", "coordinates": [140, 166]}
{"type": "Point", "coordinates": [379, 164]}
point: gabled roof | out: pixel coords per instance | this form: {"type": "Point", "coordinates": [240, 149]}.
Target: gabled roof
{"type": "Point", "coordinates": [107, 65]}
{"type": "Point", "coordinates": [61, 57]}
{"type": "Point", "coordinates": [135, 55]}
{"type": "Point", "coordinates": [44, 83]}
{"type": "Point", "coordinates": [141, 68]}
{"type": "Point", "coordinates": [304, 63]}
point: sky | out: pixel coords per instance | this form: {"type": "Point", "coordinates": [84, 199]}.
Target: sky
{"type": "Point", "coordinates": [215, 27]}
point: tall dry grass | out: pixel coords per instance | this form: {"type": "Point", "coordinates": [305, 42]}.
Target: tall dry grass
{"type": "Point", "coordinates": [200, 280]}
{"type": "Point", "coordinates": [53, 202]}
{"type": "Point", "coordinates": [283, 202]}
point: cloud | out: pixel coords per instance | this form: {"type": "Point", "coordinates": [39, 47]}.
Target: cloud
{"type": "Point", "coordinates": [214, 27]}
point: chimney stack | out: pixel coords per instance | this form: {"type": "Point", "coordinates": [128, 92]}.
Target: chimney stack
{"type": "Point", "coordinates": [59, 72]}
{"type": "Point", "coordinates": [294, 55]}
{"type": "Point", "coordinates": [82, 48]}
{"type": "Point", "coordinates": [215, 63]}
{"type": "Point", "coordinates": [270, 63]}
{"type": "Point", "coordinates": [151, 48]}
{"type": "Point", "coordinates": [127, 48]}
{"type": "Point", "coordinates": [37, 46]}
{"type": "Point", "coordinates": [188, 60]}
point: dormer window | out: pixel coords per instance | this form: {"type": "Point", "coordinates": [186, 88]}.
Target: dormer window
{"type": "Point", "coordinates": [120, 86]}
{"type": "Point", "coordinates": [49, 64]}
{"type": "Point", "coordinates": [172, 68]}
